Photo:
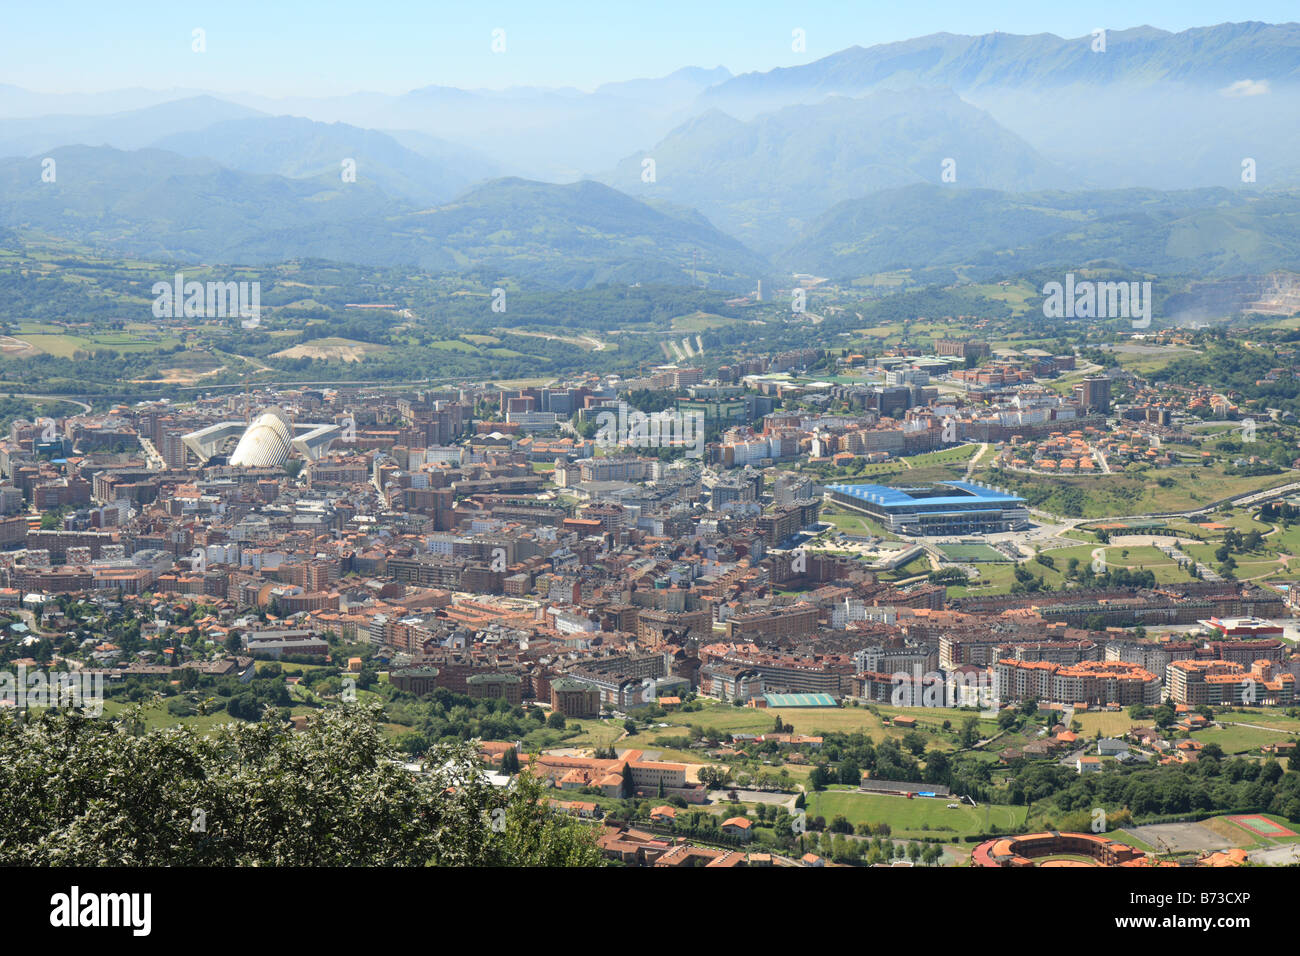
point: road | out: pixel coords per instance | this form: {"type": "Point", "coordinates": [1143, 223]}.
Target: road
{"type": "Point", "coordinates": [1246, 499]}
{"type": "Point", "coordinates": [156, 460]}
{"type": "Point", "coordinates": [50, 398]}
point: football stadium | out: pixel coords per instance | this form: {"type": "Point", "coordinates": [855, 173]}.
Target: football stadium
{"type": "Point", "coordinates": [946, 509]}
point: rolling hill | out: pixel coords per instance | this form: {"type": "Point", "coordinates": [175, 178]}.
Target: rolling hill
{"type": "Point", "coordinates": [160, 205]}
{"type": "Point", "coordinates": [300, 148]}
{"type": "Point", "coordinates": [763, 180]}
{"type": "Point", "coordinates": [128, 129]}
{"type": "Point", "coordinates": [942, 234]}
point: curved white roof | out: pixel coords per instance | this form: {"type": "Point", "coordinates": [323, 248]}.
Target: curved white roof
{"type": "Point", "coordinates": [265, 444]}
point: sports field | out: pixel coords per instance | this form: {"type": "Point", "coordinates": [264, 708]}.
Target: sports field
{"type": "Point", "coordinates": [1263, 826]}
{"type": "Point", "coordinates": [920, 816]}
{"type": "Point", "coordinates": [971, 552]}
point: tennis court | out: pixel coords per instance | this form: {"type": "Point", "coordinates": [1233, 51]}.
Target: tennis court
{"type": "Point", "coordinates": [1262, 826]}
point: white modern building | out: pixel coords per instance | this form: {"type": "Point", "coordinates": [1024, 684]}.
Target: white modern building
{"type": "Point", "coordinates": [265, 443]}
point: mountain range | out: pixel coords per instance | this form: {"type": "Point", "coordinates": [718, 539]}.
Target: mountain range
{"type": "Point", "coordinates": [944, 234]}
{"type": "Point", "coordinates": [765, 179]}
{"type": "Point", "coordinates": [953, 154]}
{"type": "Point", "coordinates": [160, 205]}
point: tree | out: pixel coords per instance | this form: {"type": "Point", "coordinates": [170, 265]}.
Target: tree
{"type": "Point", "coordinates": [556, 720]}
{"type": "Point", "coordinates": [76, 791]}
{"type": "Point", "coordinates": [937, 767]}
{"type": "Point", "coordinates": [1165, 715]}
{"type": "Point", "coordinates": [713, 777]}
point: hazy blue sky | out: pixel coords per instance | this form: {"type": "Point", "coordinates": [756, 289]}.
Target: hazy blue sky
{"type": "Point", "coordinates": [282, 47]}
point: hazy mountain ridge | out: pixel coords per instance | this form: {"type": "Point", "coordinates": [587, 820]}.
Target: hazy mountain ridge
{"type": "Point", "coordinates": [160, 205]}
{"type": "Point", "coordinates": [300, 148]}
{"type": "Point", "coordinates": [1110, 118]}
{"type": "Point", "coordinates": [763, 180]}
{"type": "Point", "coordinates": [130, 129]}
{"type": "Point", "coordinates": [1204, 107]}
{"type": "Point", "coordinates": [1207, 56]}
{"type": "Point", "coordinates": [942, 232]}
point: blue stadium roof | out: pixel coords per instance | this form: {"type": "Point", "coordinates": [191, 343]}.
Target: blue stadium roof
{"type": "Point", "coordinates": [893, 497]}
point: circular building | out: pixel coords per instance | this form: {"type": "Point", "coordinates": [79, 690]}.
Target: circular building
{"type": "Point", "coordinates": [266, 443]}
{"type": "Point", "coordinates": [1057, 849]}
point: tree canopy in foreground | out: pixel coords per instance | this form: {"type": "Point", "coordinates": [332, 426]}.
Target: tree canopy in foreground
{"type": "Point", "coordinates": [78, 791]}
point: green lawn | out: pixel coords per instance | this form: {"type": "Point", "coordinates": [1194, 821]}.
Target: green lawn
{"type": "Point", "coordinates": [62, 342]}
{"type": "Point", "coordinates": [595, 733]}
{"type": "Point", "coordinates": [156, 717]}
{"type": "Point", "coordinates": [994, 578]}
{"type": "Point", "coordinates": [1264, 717]}
{"type": "Point", "coordinates": [1110, 723]}
{"type": "Point", "coordinates": [813, 721]}
{"type": "Point", "coordinates": [919, 817]}
{"type": "Point", "coordinates": [850, 523]}
{"type": "Point", "coordinates": [1188, 488]}
{"type": "Point", "coordinates": [1237, 739]}
{"type": "Point", "coordinates": [971, 552]}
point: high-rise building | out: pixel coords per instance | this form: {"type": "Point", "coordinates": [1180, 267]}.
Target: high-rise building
{"type": "Point", "coordinates": [1093, 394]}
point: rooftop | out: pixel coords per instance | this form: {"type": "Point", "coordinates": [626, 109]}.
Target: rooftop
{"type": "Point", "coordinates": [941, 494]}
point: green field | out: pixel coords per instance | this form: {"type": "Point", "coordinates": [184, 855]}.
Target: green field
{"type": "Point", "coordinates": [1236, 739]}
{"type": "Point", "coordinates": [1181, 488]}
{"type": "Point", "coordinates": [1109, 723]}
{"type": "Point", "coordinates": [919, 817]}
{"type": "Point", "coordinates": [63, 343]}
{"type": "Point", "coordinates": [994, 578]}
{"type": "Point", "coordinates": [851, 523]}
{"type": "Point", "coordinates": [595, 733]}
{"type": "Point", "coordinates": [971, 552]}
{"type": "Point", "coordinates": [945, 465]}
{"type": "Point", "coordinates": [156, 717]}
{"type": "Point", "coordinates": [1263, 717]}
{"type": "Point", "coordinates": [726, 719]}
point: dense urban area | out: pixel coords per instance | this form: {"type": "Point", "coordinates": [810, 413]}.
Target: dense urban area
{"type": "Point", "coordinates": [864, 461]}
{"type": "Point", "coordinates": [869, 621]}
